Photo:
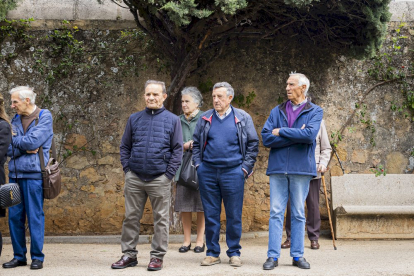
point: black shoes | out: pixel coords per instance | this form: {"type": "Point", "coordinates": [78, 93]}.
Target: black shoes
{"type": "Point", "coordinates": [301, 263]}
{"type": "Point", "coordinates": [14, 263]}
{"type": "Point", "coordinates": [184, 248]}
{"type": "Point", "coordinates": [270, 264]}
{"type": "Point", "coordinates": [36, 264]}
{"type": "Point", "coordinates": [200, 249]}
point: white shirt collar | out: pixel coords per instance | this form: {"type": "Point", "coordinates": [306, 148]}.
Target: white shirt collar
{"type": "Point", "coordinates": [225, 113]}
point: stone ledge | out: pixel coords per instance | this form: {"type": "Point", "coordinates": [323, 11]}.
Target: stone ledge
{"type": "Point", "coordinates": [366, 206]}
{"type": "Point", "coordinates": [379, 210]}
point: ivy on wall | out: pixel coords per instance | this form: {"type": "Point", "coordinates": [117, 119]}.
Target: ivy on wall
{"type": "Point", "coordinates": [392, 65]}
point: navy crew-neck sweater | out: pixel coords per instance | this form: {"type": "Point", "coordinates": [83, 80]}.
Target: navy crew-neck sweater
{"type": "Point", "coordinates": [223, 149]}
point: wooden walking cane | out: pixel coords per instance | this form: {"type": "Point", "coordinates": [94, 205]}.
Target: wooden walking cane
{"type": "Point", "coordinates": [329, 211]}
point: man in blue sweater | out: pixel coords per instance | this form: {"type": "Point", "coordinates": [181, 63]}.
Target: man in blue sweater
{"type": "Point", "coordinates": [151, 152]}
{"type": "Point", "coordinates": [224, 151]}
{"type": "Point", "coordinates": [290, 133]}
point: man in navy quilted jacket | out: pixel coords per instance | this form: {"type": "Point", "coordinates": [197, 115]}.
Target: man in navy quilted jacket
{"type": "Point", "coordinates": [151, 152]}
{"type": "Point", "coordinates": [290, 133]}
{"type": "Point", "coordinates": [24, 168]}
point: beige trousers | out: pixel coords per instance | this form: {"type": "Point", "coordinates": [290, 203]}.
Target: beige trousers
{"type": "Point", "coordinates": [136, 193]}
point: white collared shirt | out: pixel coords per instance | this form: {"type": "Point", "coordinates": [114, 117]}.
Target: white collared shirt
{"type": "Point", "coordinates": [296, 106]}
{"type": "Point", "coordinates": [225, 113]}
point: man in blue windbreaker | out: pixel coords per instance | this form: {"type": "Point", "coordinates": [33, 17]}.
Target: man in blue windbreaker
{"type": "Point", "coordinates": [224, 152]}
{"type": "Point", "coordinates": [24, 168]}
{"type": "Point", "coordinates": [290, 133]}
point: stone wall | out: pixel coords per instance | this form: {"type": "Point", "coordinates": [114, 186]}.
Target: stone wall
{"type": "Point", "coordinates": [92, 94]}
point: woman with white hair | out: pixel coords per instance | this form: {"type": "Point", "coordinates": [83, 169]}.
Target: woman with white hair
{"type": "Point", "coordinates": [187, 200]}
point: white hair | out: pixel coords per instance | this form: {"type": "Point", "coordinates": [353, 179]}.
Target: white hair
{"type": "Point", "coordinates": [24, 92]}
{"type": "Point", "coordinates": [229, 88]}
{"type": "Point", "coordinates": [194, 93]}
{"type": "Point", "coordinates": [302, 80]}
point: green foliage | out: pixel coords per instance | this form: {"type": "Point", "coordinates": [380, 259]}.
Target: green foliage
{"type": "Point", "coordinates": [181, 12]}
{"type": "Point", "coordinates": [15, 28]}
{"type": "Point", "coordinates": [367, 121]}
{"type": "Point", "coordinates": [356, 28]}
{"type": "Point", "coordinates": [336, 137]}
{"type": "Point", "coordinates": [206, 87]}
{"type": "Point", "coordinates": [387, 68]}
{"type": "Point", "coordinates": [6, 6]}
{"type": "Point", "coordinates": [242, 101]}
{"type": "Point", "coordinates": [379, 171]}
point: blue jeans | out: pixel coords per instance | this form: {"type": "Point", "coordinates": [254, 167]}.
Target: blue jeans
{"type": "Point", "coordinates": [217, 185]}
{"type": "Point", "coordinates": [282, 187]}
{"type": "Point", "coordinates": [32, 206]}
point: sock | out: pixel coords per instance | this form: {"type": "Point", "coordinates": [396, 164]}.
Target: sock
{"type": "Point", "coordinates": [274, 259]}
{"type": "Point", "coordinates": [296, 259]}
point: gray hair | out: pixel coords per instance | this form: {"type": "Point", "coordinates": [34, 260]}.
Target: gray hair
{"type": "Point", "coordinates": [230, 90]}
{"type": "Point", "coordinates": [148, 82]}
{"type": "Point", "coordinates": [24, 92]}
{"type": "Point", "coordinates": [194, 93]}
{"type": "Point", "coordinates": [303, 80]}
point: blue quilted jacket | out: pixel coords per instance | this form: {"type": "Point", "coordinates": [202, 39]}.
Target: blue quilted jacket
{"type": "Point", "coordinates": [152, 144]}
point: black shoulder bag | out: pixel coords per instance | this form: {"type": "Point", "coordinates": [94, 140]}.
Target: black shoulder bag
{"type": "Point", "coordinates": [188, 175]}
{"type": "Point", "coordinates": [10, 192]}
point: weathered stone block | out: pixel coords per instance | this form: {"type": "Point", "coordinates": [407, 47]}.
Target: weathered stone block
{"type": "Point", "coordinates": [75, 140]}
{"type": "Point", "coordinates": [77, 162]}
{"type": "Point", "coordinates": [359, 156]}
{"type": "Point", "coordinates": [396, 162]}
{"type": "Point", "coordinates": [91, 174]}
{"type": "Point", "coordinates": [366, 206]}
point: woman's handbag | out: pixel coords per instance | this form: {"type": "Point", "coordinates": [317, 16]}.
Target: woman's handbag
{"type": "Point", "coordinates": [10, 193]}
{"type": "Point", "coordinates": [188, 174]}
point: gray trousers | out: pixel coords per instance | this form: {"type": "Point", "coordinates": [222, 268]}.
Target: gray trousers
{"type": "Point", "coordinates": [136, 193]}
{"type": "Point", "coordinates": [313, 219]}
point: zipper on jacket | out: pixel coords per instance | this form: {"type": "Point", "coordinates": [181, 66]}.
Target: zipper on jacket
{"type": "Point", "coordinates": [147, 146]}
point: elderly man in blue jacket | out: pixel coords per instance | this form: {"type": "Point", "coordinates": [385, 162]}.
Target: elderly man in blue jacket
{"type": "Point", "coordinates": [24, 168]}
{"type": "Point", "coordinates": [290, 133]}
{"type": "Point", "coordinates": [151, 152]}
{"type": "Point", "coordinates": [224, 151]}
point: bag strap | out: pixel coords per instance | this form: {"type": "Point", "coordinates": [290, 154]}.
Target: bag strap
{"type": "Point", "coordinates": [41, 156]}
{"type": "Point", "coordinates": [14, 160]}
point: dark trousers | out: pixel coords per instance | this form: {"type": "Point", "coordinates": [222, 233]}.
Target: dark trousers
{"type": "Point", "coordinates": [313, 219]}
{"type": "Point", "coordinates": [217, 185]}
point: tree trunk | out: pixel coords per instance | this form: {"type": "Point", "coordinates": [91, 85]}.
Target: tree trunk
{"type": "Point", "coordinates": [178, 79]}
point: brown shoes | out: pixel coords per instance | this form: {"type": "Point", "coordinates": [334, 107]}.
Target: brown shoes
{"type": "Point", "coordinates": [314, 245]}
{"type": "Point", "coordinates": [286, 244]}
{"type": "Point", "coordinates": [154, 264]}
{"type": "Point", "coordinates": [125, 262]}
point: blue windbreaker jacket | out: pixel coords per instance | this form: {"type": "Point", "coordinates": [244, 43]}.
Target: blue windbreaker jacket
{"type": "Point", "coordinates": [40, 135]}
{"type": "Point", "coordinates": [248, 139]}
{"type": "Point", "coordinates": [293, 152]}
